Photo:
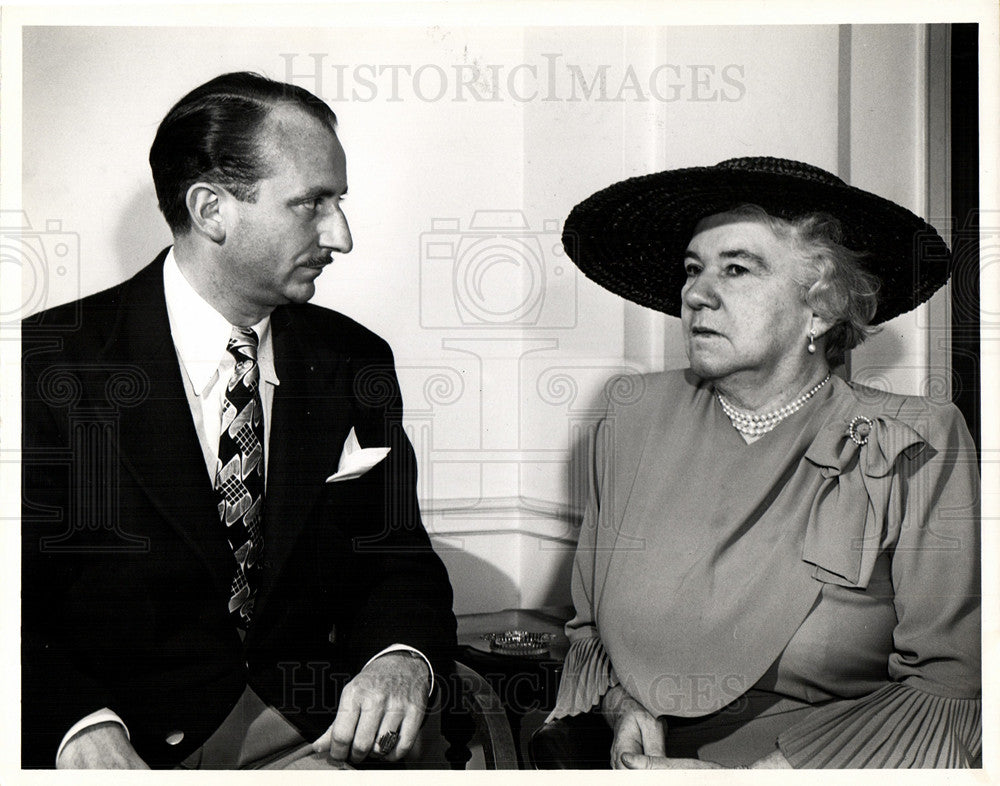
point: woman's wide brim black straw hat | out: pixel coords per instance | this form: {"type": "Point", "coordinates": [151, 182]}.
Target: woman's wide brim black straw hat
{"type": "Point", "coordinates": [631, 237]}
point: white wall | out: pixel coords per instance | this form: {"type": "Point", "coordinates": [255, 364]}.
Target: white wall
{"type": "Point", "coordinates": [503, 383]}
{"type": "Point", "coordinates": [892, 111]}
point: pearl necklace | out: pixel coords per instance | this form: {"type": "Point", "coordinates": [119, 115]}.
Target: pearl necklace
{"type": "Point", "coordinates": [754, 425]}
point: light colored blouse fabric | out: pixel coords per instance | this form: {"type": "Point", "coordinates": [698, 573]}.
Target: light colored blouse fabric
{"type": "Point", "coordinates": [841, 581]}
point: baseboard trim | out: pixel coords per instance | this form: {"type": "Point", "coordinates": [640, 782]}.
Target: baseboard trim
{"type": "Point", "coordinates": [540, 519]}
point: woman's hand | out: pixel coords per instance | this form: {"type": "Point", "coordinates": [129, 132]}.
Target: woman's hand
{"type": "Point", "coordinates": [638, 761]}
{"type": "Point", "coordinates": [636, 731]}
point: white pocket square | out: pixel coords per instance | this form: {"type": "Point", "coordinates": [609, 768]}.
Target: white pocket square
{"type": "Point", "coordinates": [355, 460]}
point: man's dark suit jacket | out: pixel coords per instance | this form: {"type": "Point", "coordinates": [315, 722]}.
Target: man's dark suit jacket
{"type": "Point", "coordinates": [126, 570]}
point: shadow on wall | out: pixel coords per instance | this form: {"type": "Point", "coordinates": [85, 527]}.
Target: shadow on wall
{"type": "Point", "coordinates": [478, 585]}
{"type": "Point", "coordinates": [140, 235]}
{"type": "Point", "coordinates": [545, 571]}
{"type": "Point", "coordinates": [553, 574]}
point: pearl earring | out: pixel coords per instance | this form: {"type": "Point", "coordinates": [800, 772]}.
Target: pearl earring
{"type": "Point", "coordinates": [811, 349]}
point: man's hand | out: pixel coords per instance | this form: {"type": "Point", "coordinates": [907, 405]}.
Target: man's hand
{"type": "Point", "coordinates": [636, 731]}
{"type": "Point", "coordinates": [102, 746]}
{"type": "Point", "coordinates": [389, 695]}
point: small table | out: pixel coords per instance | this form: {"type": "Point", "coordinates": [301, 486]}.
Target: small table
{"type": "Point", "coordinates": [524, 683]}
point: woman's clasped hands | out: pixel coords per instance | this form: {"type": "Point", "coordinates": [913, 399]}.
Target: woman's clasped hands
{"type": "Point", "coordinates": [640, 739]}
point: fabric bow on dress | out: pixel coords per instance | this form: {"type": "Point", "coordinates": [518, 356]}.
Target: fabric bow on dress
{"type": "Point", "coordinates": [846, 529]}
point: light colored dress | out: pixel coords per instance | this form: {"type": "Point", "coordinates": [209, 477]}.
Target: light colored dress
{"type": "Point", "coordinates": [801, 590]}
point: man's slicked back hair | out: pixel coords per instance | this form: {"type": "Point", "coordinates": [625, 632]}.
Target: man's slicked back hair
{"type": "Point", "coordinates": [213, 134]}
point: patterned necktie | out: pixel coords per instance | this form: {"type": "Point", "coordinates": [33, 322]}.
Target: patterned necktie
{"type": "Point", "coordinates": [239, 475]}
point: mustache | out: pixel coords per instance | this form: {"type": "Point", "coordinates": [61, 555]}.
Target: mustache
{"type": "Point", "coordinates": [319, 261]}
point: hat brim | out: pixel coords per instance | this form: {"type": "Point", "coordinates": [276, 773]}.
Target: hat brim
{"type": "Point", "coordinates": [631, 237]}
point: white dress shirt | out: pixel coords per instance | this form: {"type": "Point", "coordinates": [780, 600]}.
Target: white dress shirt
{"type": "Point", "coordinates": [200, 335]}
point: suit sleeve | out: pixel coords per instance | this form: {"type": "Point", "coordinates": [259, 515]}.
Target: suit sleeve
{"type": "Point", "coordinates": [57, 689]}
{"type": "Point", "coordinates": [407, 597]}
{"type": "Point", "coordinates": [928, 714]}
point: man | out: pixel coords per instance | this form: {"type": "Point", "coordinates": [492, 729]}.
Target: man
{"type": "Point", "coordinates": [195, 593]}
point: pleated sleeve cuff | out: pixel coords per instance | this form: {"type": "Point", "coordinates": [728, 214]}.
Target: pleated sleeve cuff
{"type": "Point", "coordinates": [587, 676]}
{"type": "Point", "coordinates": [896, 726]}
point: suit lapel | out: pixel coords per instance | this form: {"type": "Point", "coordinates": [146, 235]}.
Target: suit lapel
{"type": "Point", "coordinates": [158, 442]}
{"type": "Point", "coordinates": [310, 418]}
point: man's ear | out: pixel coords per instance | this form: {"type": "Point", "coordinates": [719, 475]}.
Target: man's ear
{"type": "Point", "coordinates": [205, 207]}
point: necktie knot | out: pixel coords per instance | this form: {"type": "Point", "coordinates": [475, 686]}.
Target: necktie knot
{"type": "Point", "coordinates": [243, 343]}
{"type": "Point", "coordinates": [242, 346]}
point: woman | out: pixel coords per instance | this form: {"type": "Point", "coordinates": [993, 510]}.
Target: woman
{"type": "Point", "coordinates": [776, 567]}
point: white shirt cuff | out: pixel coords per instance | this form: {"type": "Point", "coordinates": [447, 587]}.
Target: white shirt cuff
{"type": "Point", "coordinates": [103, 715]}
{"type": "Point", "coordinates": [406, 648]}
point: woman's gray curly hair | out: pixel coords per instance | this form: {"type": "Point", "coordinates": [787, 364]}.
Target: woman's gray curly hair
{"type": "Point", "coordinates": [834, 284]}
